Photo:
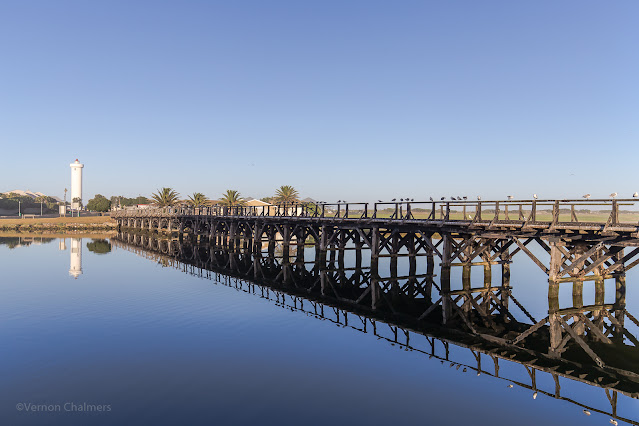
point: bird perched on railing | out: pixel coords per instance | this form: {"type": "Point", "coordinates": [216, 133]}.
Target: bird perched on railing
{"type": "Point", "coordinates": [443, 198]}
{"type": "Point", "coordinates": [458, 198]}
{"type": "Point", "coordinates": [464, 197]}
{"type": "Point", "coordinates": [379, 201]}
{"type": "Point", "coordinates": [431, 199]}
{"type": "Point", "coordinates": [393, 199]}
{"type": "Point", "coordinates": [635, 195]}
{"type": "Point", "coordinates": [478, 198]}
{"type": "Point", "coordinates": [535, 196]}
{"type": "Point", "coordinates": [587, 196]}
{"type": "Point", "coordinates": [510, 197]}
{"type": "Point", "coordinates": [613, 195]}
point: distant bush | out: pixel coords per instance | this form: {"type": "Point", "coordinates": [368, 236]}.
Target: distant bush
{"type": "Point", "coordinates": [99, 246]}
{"type": "Point", "coordinates": [99, 204]}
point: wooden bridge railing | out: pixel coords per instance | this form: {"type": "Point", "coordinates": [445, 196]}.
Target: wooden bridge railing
{"type": "Point", "coordinates": [610, 212]}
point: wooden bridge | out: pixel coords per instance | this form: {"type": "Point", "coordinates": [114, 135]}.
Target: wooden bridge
{"type": "Point", "coordinates": [595, 348]}
{"type": "Point", "coordinates": [466, 234]}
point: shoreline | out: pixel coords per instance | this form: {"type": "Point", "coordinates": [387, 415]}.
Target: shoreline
{"type": "Point", "coordinates": [70, 234]}
{"type": "Point", "coordinates": [59, 224]}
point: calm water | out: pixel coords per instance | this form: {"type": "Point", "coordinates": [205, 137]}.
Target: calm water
{"type": "Point", "coordinates": [153, 345]}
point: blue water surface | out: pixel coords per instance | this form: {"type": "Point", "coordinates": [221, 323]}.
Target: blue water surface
{"type": "Point", "coordinates": [153, 345]}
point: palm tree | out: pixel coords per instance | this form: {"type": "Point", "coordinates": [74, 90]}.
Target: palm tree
{"type": "Point", "coordinates": [232, 198]}
{"type": "Point", "coordinates": [165, 197]}
{"type": "Point", "coordinates": [286, 194]}
{"type": "Point", "coordinates": [197, 200]}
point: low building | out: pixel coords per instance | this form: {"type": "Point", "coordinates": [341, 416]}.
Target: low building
{"type": "Point", "coordinates": [260, 205]}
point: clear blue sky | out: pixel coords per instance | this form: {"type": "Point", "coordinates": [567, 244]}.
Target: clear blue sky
{"type": "Point", "coordinates": [354, 100]}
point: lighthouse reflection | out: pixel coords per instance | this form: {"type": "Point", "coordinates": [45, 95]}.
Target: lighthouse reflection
{"type": "Point", "coordinates": [96, 245]}
{"type": "Point", "coordinates": [75, 268]}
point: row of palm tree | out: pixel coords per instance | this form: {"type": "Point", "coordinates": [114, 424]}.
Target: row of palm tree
{"type": "Point", "coordinates": [166, 197]}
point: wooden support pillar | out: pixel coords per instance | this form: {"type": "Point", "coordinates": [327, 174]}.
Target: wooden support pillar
{"type": "Point", "coordinates": [412, 266]}
{"type": "Point", "coordinates": [430, 271]}
{"type": "Point", "coordinates": [323, 247]}
{"type": "Point", "coordinates": [394, 287]}
{"type": "Point", "coordinates": [341, 242]}
{"type": "Point", "coordinates": [300, 240]}
{"type": "Point", "coordinates": [232, 236]}
{"type": "Point", "coordinates": [257, 238]}
{"type": "Point", "coordinates": [466, 285]}
{"type": "Point", "coordinates": [320, 256]}
{"type": "Point", "coordinates": [286, 244]}
{"type": "Point", "coordinates": [374, 267]}
{"type": "Point", "coordinates": [620, 297]}
{"type": "Point", "coordinates": [554, 317]}
{"type": "Point", "coordinates": [358, 258]}
{"type": "Point", "coordinates": [445, 277]}
{"type": "Point", "coordinates": [332, 253]}
{"type": "Point", "coordinates": [505, 283]}
{"type": "Point", "coordinates": [272, 233]}
{"type": "Point", "coordinates": [578, 302]}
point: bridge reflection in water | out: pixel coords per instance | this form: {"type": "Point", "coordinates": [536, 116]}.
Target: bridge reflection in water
{"type": "Point", "coordinates": [585, 343]}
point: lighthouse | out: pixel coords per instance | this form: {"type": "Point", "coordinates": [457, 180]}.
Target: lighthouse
{"type": "Point", "coordinates": [76, 183]}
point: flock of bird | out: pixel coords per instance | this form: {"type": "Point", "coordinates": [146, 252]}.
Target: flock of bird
{"type": "Point", "coordinates": [464, 198]}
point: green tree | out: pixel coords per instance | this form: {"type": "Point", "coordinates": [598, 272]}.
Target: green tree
{"type": "Point", "coordinates": [286, 194]}
{"type": "Point", "coordinates": [99, 204]}
{"type": "Point", "coordinates": [197, 200]}
{"type": "Point", "coordinates": [119, 200]}
{"type": "Point", "coordinates": [99, 246]}
{"type": "Point", "coordinates": [165, 197]}
{"type": "Point", "coordinates": [232, 198]}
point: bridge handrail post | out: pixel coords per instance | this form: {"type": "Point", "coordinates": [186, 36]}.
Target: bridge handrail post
{"type": "Point", "coordinates": [346, 212]}
{"type": "Point", "coordinates": [555, 213]}
{"type": "Point", "coordinates": [408, 211]}
{"type": "Point", "coordinates": [615, 212]}
{"type": "Point", "coordinates": [496, 211]}
{"type": "Point", "coordinates": [366, 211]}
{"type": "Point", "coordinates": [533, 213]}
{"type": "Point", "coordinates": [447, 210]}
{"type": "Point", "coordinates": [374, 211]}
{"type": "Point", "coordinates": [323, 210]}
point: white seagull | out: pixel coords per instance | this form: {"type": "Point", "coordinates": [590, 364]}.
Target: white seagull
{"type": "Point", "coordinates": [478, 198]}
{"type": "Point", "coordinates": [613, 195]}
{"type": "Point", "coordinates": [587, 196]}
{"type": "Point", "coordinates": [510, 197]}
{"type": "Point", "coordinates": [535, 196]}
{"type": "Point", "coordinates": [635, 195]}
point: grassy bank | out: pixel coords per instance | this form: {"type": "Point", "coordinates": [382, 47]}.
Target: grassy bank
{"type": "Point", "coordinates": [59, 224]}
{"type": "Point", "coordinates": [49, 234]}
